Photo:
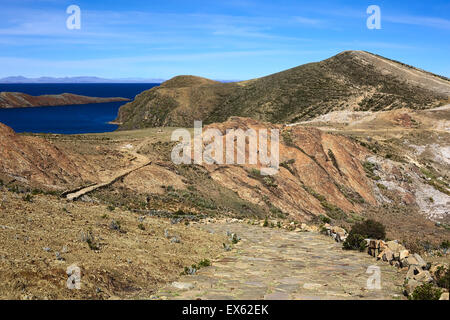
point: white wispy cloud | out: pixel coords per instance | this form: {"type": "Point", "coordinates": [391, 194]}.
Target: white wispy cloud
{"type": "Point", "coordinates": [310, 21]}
{"type": "Point", "coordinates": [432, 22]}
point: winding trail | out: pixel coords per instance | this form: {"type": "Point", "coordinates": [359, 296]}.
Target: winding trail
{"type": "Point", "coordinates": [140, 160]}
{"type": "Point", "coordinates": [274, 264]}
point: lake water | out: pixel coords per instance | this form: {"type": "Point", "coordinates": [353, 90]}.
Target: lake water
{"type": "Point", "coordinates": [73, 119]}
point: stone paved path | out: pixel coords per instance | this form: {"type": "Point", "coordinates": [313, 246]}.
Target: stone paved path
{"type": "Point", "coordinates": [277, 264]}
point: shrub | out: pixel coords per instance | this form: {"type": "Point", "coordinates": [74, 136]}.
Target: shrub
{"type": "Point", "coordinates": [269, 182]}
{"type": "Point", "coordinates": [445, 244]}
{"type": "Point", "coordinates": [266, 222]}
{"type": "Point", "coordinates": [443, 277]}
{"type": "Point", "coordinates": [115, 225]}
{"type": "Point", "coordinates": [426, 292]}
{"type": "Point", "coordinates": [89, 238]}
{"type": "Point", "coordinates": [235, 238]}
{"type": "Point", "coordinates": [141, 226]}
{"type": "Point", "coordinates": [27, 198]}
{"type": "Point", "coordinates": [369, 229]}
{"type": "Point", "coordinates": [204, 263]}
{"type": "Point", "coordinates": [111, 208]}
{"type": "Point", "coordinates": [354, 242]}
{"type": "Point", "coordinates": [324, 219]}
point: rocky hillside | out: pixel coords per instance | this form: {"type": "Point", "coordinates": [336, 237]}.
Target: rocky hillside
{"type": "Point", "coordinates": [351, 80]}
{"type": "Point", "coordinates": [31, 160]}
{"type": "Point", "coordinates": [22, 100]}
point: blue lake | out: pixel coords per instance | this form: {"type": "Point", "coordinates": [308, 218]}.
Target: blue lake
{"type": "Point", "coordinates": [73, 119]}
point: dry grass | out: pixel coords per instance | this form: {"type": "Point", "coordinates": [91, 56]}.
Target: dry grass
{"type": "Point", "coordinates": [130, 262]}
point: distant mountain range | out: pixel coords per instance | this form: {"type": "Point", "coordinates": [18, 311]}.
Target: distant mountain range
{"type": "Point", "coordinates": [20, 79]}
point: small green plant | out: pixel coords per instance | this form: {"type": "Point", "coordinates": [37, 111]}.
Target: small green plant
{"type": "Point", "coordinates": [266, 222]}
{"type": "Point", "coordinates": [445, 244]}
{"type": "Point", "coordinates": [333, 160]}
{"type": "Point", "coordinates": [111, 208]}
{"type": "Point", "coordinates": [324, 219]}
{"type": "Point", "coordinates": [89, 238]}
{"type": "Point", "coordinates": [369, 168]}
{"type": "Point", "coordinates": [92, 245]}
{"type": "Point", "coordinates": [115, 225]}
{"type": "Point", "coordinates": [287, 138]}
{"type": "Point", "coordinates": [28, 198]}
{"type": "Point", "coordinates": [443, 277]}
{"type": "Point", "coordinates": [204, 263]}
{"type": "Point", "coordinates": [235, 238]}
{"type": "Point", "coordinates": [381, 186]}
{"type": "Point", "coordinates": [269, 182]}
{"type": "Point", "coordinates": [141, 226]}
{"type": "Point", "coordinates": [195, 267]}
{"type": "Point", "coordinates": [287, 165]}
{"type": "Point", "coordinates": [426, 292]}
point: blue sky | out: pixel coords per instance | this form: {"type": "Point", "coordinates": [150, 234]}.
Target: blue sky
{"type": "Point", "coordinates": [215, 39]}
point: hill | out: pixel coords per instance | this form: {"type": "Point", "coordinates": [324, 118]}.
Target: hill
{"type": "Point", "coordinates": [351, 80]}
{"type": "Point", "coordinates": [22, 100]}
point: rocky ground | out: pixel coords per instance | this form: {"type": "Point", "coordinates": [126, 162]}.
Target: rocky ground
{"type": "Point", "coordinates": [121, 254]}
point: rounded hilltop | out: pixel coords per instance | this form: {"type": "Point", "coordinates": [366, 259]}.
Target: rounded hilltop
{"type": "Point", "coordinates": [187, 81]}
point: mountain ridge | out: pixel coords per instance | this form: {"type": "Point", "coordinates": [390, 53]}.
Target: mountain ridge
{"type": "Point", "coordinates": [350, 80]}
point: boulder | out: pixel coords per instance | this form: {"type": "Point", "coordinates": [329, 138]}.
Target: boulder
{"type": "Point", "coordinates": [374, 244]}
{"type": "Point", "coordinates": [409, 261]}
{"type": "Point", "coordinates": [403, 254]}
{"type": "Point", "coordinates": [397, 256]}
{"type": "Point", "coordinates": [374, 247]}
{"type": "Point", "coordinates": [410, 286]}
{"type": "Point", "coordinates": [394, 246]}
{"type": "Point", "coordinates": [420, 261]}
{"type": "Point", "coordinates": [423, 277]}
{"type": "Point", "coordinates": [444, 296]}
{"type": "Point", "coordinates": [183, 285]}
{"type": "Point", "coordinates": [341, 237]}
{"type": "Point", "coordinates": [415, 272]}
{"type": "Point", "coordinates": [338, 230]}
{"type": "Point", "coordinates": [387, 255]}
{"type": "Point", "coordinates": [438, 270]}
{"type": "Point", "coordinates": [412, 272]}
